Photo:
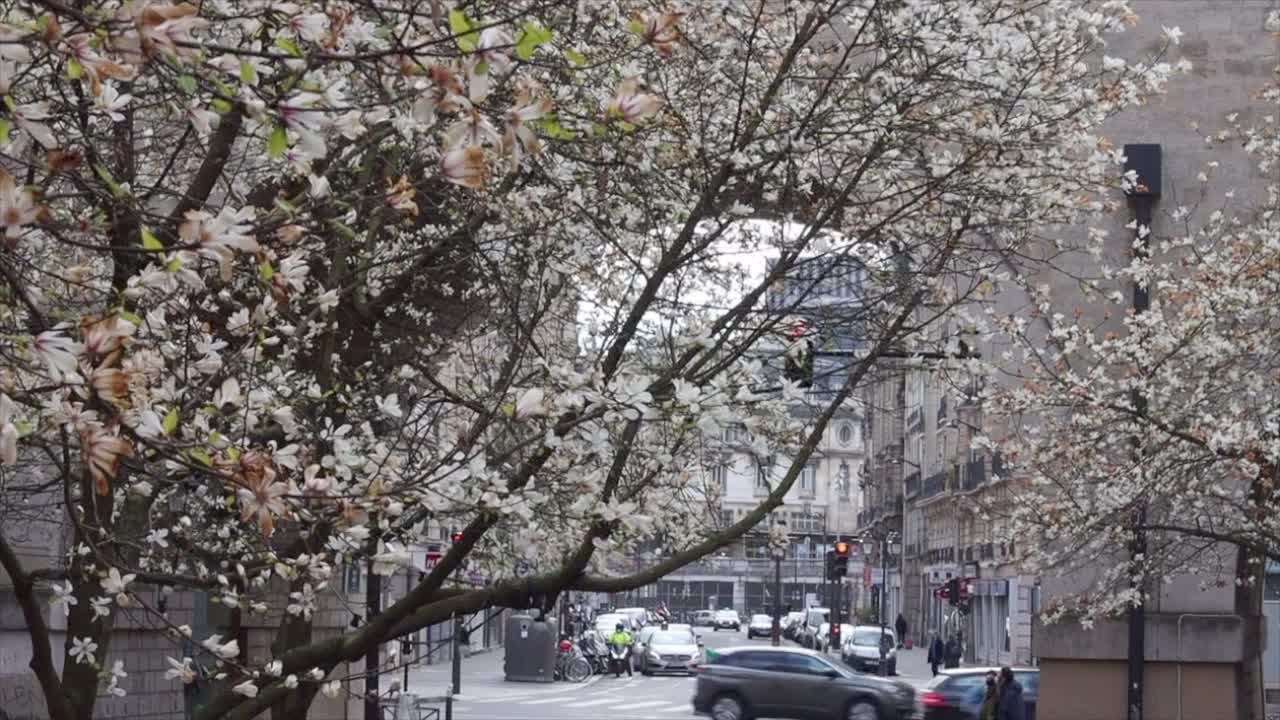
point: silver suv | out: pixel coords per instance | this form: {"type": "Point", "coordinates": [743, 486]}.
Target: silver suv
{"type": "Point", "coordinates": [753, 681]}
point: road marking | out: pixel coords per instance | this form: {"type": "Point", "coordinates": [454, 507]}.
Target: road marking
{"type": "Point", "coordinates": [540, 701]}
{"type": "Point", "coordinates": [649, 704]}
{"type": "Point", "coordinates": [589, 703]}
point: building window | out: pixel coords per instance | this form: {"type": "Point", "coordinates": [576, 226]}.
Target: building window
{"type": "Point", "coordinates": [353, 578]}
{"type": "Point", "coordinates": [846, 434]}
{"type": "Point", "coordinates": [726, 518]}
{"type": "Point", "coordinates": [808, 478]}
{"type": "Point", "coordinates": [720, 477]}
{"type": "Point", "coordinates": [762, 475]}
{"type": "Point", "coordinates": [737, 434]}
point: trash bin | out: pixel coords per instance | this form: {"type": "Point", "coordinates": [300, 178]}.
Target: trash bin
{"type": "Point", "coordinates": [530, 649]}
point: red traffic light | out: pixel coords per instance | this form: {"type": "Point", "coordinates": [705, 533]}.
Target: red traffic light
{"type": "Point", "coordinates": [842, 549]}
{"type": "Point", "coordinates": [456, 536]}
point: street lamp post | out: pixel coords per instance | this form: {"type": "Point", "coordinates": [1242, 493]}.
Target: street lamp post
{"type": "Point", "coordinates": [779, 550]}
{"type": "Point", "coordinates": [887, 547]}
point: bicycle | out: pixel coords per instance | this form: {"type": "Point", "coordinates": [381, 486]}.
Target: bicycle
{"type": "Point", "coordinates": [571, 665]}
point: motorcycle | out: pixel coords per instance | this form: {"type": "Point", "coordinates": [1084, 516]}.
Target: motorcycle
{"type": "Point", "coordinates": [593, 649]}
{"type": "Point", "coordinates": [619, 658]}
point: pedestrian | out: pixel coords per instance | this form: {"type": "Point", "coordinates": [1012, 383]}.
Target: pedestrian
{"type": "Point", "coordinates": [990, 700]}
{"type": "Point", "coordinates": [951, 653]}
{"type": "Point", "coordinates": [1011, 706]}
{"type": "Point", "coordinates": [936, 651]}
{"type": "Point", "coordinates": [901, 627]}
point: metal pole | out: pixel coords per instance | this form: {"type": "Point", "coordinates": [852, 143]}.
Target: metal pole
{"type": "Point", "coordinates": [408, 573]}
{"type": "Point", "coordinates": [884, 585]}
{"type": "Point", "coordinates": [1145, 161]}
{"type": "Point", "coordinates": [777, 598]}
{"type": "Point", "coordinates": [373, 606]}
{"type": "Point", "coordinates": [457, 655]}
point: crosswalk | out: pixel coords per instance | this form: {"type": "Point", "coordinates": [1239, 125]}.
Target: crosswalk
{"type": "Point", "coordinates": [661, 698]}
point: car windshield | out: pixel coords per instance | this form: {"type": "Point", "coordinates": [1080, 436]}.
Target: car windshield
{"type": "Point", "coordinates": [671, 637]}
{"type": "Point", "coordinates": [761, 619]}
{"type": "Point", "coordinates": [868, 637]}
{"type": "Point", "coordinates": [727, 614]}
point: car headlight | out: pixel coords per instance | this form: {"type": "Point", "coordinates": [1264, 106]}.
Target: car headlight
{"type": "Point", "coordinates": [653, 655]}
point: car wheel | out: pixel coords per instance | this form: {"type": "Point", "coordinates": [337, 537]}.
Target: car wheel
{"type": "Point", "coordinates": [728, 707]}
{"type": "Point", "coordinates": [893, 667]}
{"type": "Point", "coordinates": [862, 710]}
{"type": "Point", "coordinates": [715, 629]}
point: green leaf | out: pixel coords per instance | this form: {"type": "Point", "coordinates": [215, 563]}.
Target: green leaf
{"type": "Point", "coordinates": [200, 456]}
{"type": "Point", "coordinates": [461, 26]}
{"type": "Point", "coordinates": [636, 27]}
{"type": "Point", "coordinates": [5, 127]}
{"type": "Point", "coordinates": [149, 240]}
{"type": "Point", "coordinates": [289, 46]}
{"type": "Point", "coordinates": [74, 69]}
{"type": "Point", "coordinates": [174, 265]}
{"type": "Point", "coordinates": [551, 127]}
{"type": "Point", "coordinates": [531, 37]}
{"type": "Point", "coordinates": [575, 57]}
{"type": "Point", "coordinates": [187, 84]}
{"type": "Point", "coordinates": [126, 315]}
{"type": "Point", "coordinates": [105, 175]}
{"type": "Point", "coordinates": [221, 106]}
{"type": "Point", "coordinates": [248, 75]}
{"type": "Point", "coordinates": [265, 271]}
{"type": "Point", "coordinates": [170, 422]}
{"type": "Point", "coordinates": [278, 142]}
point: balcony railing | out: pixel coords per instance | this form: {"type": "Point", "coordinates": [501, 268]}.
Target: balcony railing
{"type": "Point", "coordinates": [975, 474]}
{"type": "Point", "coordinates": [913, 484]}
{"type": "Point", "coordinates": [934, 485]}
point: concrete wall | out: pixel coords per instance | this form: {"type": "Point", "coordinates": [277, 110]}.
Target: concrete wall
{"type": "Point", "coordinates": [1075, 690]}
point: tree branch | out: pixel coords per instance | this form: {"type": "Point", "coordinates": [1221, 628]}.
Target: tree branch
{"type": "Point", "coordinates": [41, 652]}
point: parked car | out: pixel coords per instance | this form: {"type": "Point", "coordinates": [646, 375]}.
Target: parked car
{"type": "Point", "coordinates": [956, 694]}
{"type": "Point", "coordinates": [813, 620]}
{"type": "Point", "coordinates": [669, 650]}
{"type": "Point", "coordinates": [782, 682]}
{"type": "Point", "coordinates": [635, 617]}
{"type": "Point", "coordinates": [861, 649]}
{"type": "Point", "coordinates": [727, 620]}
{"type": "Point", "coordinates": [704, 617]}
{"type": "Point", "coordinates": [606, 624]}
{"type": "Point", "coordinates": [791, 625]}
{"type": "Point", "coordinates": [822, 640]}
{"type": "Point", "coordinates": [760, 625]}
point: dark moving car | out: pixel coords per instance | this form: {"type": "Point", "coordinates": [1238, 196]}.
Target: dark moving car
{"type": "Point", "coordinates": [957, 694]}
{"type": "Point", "coordinates": [780, 682]}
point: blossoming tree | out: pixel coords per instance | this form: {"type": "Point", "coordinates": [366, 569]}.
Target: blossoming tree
{"type": "Point", "coordinates": [284, 283]}
{"type": "Point", "coordinates": [1150, 440]}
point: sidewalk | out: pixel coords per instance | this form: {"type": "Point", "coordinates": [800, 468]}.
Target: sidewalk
{"type": "Point", "coordinates": [482, 671]}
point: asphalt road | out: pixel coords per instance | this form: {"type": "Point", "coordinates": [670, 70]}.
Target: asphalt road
{"type": "Point", "coordinates": [485, 696]}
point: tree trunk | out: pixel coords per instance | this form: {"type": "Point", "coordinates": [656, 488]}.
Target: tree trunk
{"type": "Point", "coordinates": [1248, 605]}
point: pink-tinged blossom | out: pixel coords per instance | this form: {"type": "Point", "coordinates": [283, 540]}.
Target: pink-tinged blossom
{"type": "Point", "coordinates": [102, 451]}
{"type": "Point", "coordinates": [103, 336]}
{"type": "Point", "coordinates": [631, 105]}
{"type": "Point", "coordinates": [180, 670]}
{"type": "Point", "coordinates": [659, 30]}
{"type": "Point", "coordinates": [162, 30]}
{"type": "Point", "coordinates": [13, 43]}
{"type": "Point", "coordinates": [18, 207]}
{"type": "Point", "coordinates": [261, 493]}
{"type": "Point", "coordinates": [28, 116]}
{"type": "Point", "coordinates": [220, 237]}
{"type": "Point", "coordinates": [517, 137]}
{"type": "Point", "coordinates": [58, 352]}
{"type": "Point", "coordinates": [111, 103]}
{"type": "Point", "coordinates": [300, 115]}
{"type": "Point", "coordinates": [111, 384]}
{"type": "Point", "coordinates": [466, 166]}
{"type": "Point", "coordinates": [473, 129]}
{"type": "Point", "coordinates": [94, 67]}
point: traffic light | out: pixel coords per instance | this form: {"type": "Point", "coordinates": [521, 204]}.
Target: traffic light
{"type": "Point", "coordinates": [835, 635]}
{"type": "Point", "coordinates": [456, 536]}
{"type": "Point", "coordinates": [953, 591]}
{"type": "Point", "coordinates": [830, 567]}
{"type": "Point", "coordinates": [840, 563]}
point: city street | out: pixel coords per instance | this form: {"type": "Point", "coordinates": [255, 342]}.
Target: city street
{"type": "Point", "coordinates": [486, 696]}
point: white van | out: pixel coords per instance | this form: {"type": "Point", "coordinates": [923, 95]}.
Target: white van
{"type": "Point", "coordinates": [814, 619]}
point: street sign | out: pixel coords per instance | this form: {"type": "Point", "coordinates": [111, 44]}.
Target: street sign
{"type": "Point", "coordinates": [432, 558]}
